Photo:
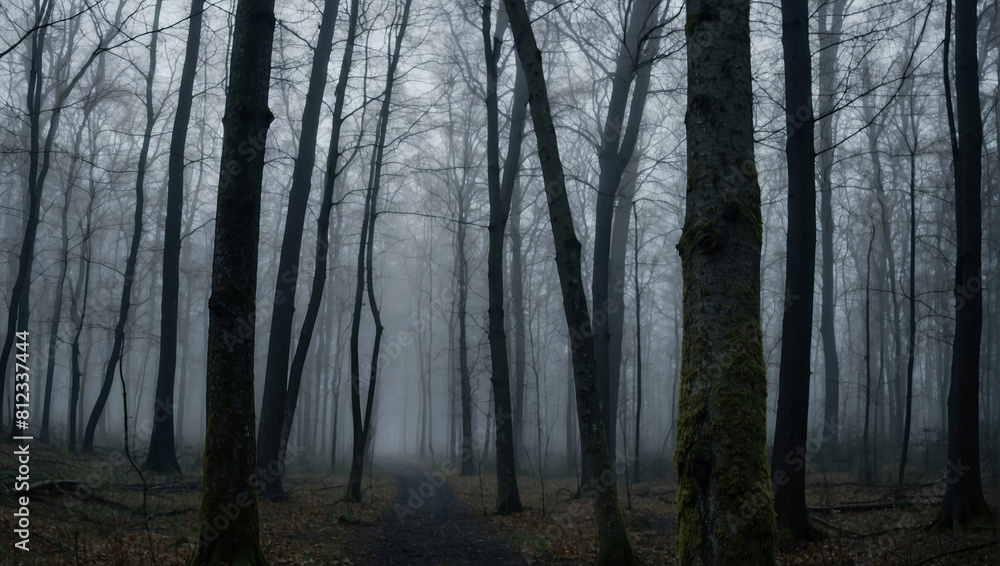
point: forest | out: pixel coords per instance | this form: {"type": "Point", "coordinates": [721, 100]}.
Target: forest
{"type": "Point", "coordinates": [467, 282]}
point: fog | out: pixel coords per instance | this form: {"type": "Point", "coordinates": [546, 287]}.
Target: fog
{"type": "Point", "coordinates": [80, 96]}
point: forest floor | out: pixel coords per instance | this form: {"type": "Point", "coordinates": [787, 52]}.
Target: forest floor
{"type": "Point", "coordinates": [89, 510]}
{"type": "Point", "coordinates": [861, 525]}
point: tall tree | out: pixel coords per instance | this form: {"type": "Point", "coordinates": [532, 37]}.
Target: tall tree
{"type": "Point", "coordinates": [613, 546]}
{"type": "Point", "coordinates": [125, 304]}
{"type": "Point", "coordinates": [17, 310]}
{"type": "Point", "coordinates": [72, 177]}
{"type": "Point", "coordinates": [963, 500]}
{"type": "Point", "coordinates": [791, 423]}
{"type": "Point", "coordinates": [366, 272]}
{"type": "Point", "coordinates": [162, 455]}
{"type": "Point", "coordinates": [78, 310]}
{"type": "Point", "coordinates": [908, 123]}
{"type": "Point", "coordinates": [618, 140]}
{"type": "Point", "coordinates": [272, 409]}
{"type": "Point", "coordinates": [508, 498]}
{"type": "Point", "coordinates": [867, 472]}
{"type": "Point", "coordinates": [725, 508]}
{"type": "Point", "coordinates": [230, 449]}
{"type": "Point", "coordinates": [830, 28]}
{"type": "Point", "coordinates": [517, 276]}
{"type": "Point", "coordinates": [322, 239]}
{"type": "Point", "coordinates": [638, 347]}
{"type": "Point", "coordinates": [40, 158]}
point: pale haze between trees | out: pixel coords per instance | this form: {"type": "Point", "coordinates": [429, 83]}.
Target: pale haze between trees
{"type": "Point", "coordinates": [724, 246]}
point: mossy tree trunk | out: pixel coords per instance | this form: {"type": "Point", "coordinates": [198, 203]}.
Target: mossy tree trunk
{"type": "Point", "coordinates": [724, 501]}
{"type": "Point", "coordinates": [613, 545]}
{"type": "Point", "coordinates": [790, 429]}
{"type": "Point", "coordinates": [228, 524]}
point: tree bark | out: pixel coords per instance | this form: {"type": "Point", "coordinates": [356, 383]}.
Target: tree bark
{"type": "Point", "coordinates": [868, 362]}
{"type": "Point", "coordinates": [17, 315]}
{"type": "Point", "coordinates": [613, 546]}
{"type": "Point", "coordinates": [162, 455]}
{"type": "Point", "coordinates": [125, 304]}
{"type": "Point", "coordinates": [508, 498]}
{"type": "Point", "coordinates": [467, 450]}
{"type": "Point", "coordinates": [17, 311]}
{"type": "Point", "coordinates": [887, 264]}
{"type": "Point", "coordinates": [618, 140]}
{"type": "Point", "coordinates": [78, 312]}
{"type": "Point", "coordinates": [279, 390]}
{"type": "Point", "coordinates": [725, 506]}
{"type": "Point", "coordinates": [638, 349]}
{"type": "Point", "coordinates": [323, 240]}
{"type": "Point", "coordinates": [788, 458]}
{"type": "Point", "coordinates": [517, 301]}
{"type": "Point", "coordinates": [362, 431]}
{"type": "Point", "coordinates": [74, 170]}
{"type": "Point", "coordinates": [511, 184]}
{"type": "Point", "coordinates": [829, 44]}
{"type": "Point", "coordinates": [963, 500]}
{"type": "Point", "coordinates": [228, 523]}
{"type": "Point", "coordinates": [908, 123]}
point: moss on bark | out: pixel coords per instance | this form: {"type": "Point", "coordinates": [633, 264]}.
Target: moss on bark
{"type": "Point", "coordinates": [725, 507]}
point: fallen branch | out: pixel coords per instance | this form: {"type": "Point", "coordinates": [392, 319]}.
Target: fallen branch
{"type": "Point", "coordinates": [853, 507]}
{"type": "Point", "coordinates": [957, 551]}
{"type": "Point", "coordinates": [63, 486]}
{"type": "Point", "coordinates": [191, 485]}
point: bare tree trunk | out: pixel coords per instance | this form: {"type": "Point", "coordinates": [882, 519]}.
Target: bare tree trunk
{"type": "Point", "coordinates": [963, 500]}
{"type": "Point", "coordinates": [618, 139]}
{"type": "Point", "coordinates": [868, 362]}
{"type": "Point", "coordinates": [517, 294]}
{"type": "Point", "coordinates": [638, 348]}
{"type": "Point", "coordinates": [613, 546]}
{"type": "Point", "coordinates": [60, 283]}
{"type": "Point", "coordinates": [337, 372]}
{"type": "Point", "coordinates": [464, 375]}
{"type": "Point", "coordinates": [162, 455]}
{"type": "Point", "coordinates": [792, 421]}
{"type": "Point", "coordinates": [508, 498]}
{"type": "Point", "coordinates": [572, 422]}
{"type": "Point", "coordinates": [133, 254]}
{"type": "Point", "coordinates": [230, 447]}
{"type": "Point", "coordinates": [908, 123]}
{"type": "Point", "coordinates": [279, 390]}
{"type": "Point", "coordinates": [362, 432]}
{"type": "Point", "coordinates": [17, 316]}
{"type": "Point", "coordinates": [322, 230]}
{"type": "Point", "coordinates": [17, 311]}
{"type": "Point", "coordinates": [874, 131]}
{"type": "Point", "coordinates": [829, 44]}
{"type": "Point", "coordinates": [616, 265]}
{"type": "Point", "coordinates": [510, 184]}
{"type": "Point", "coordinates": [78, 312]}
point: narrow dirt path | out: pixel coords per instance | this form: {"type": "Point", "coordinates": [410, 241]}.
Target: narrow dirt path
{"type": "Point", "coordinates": [427, 526]}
